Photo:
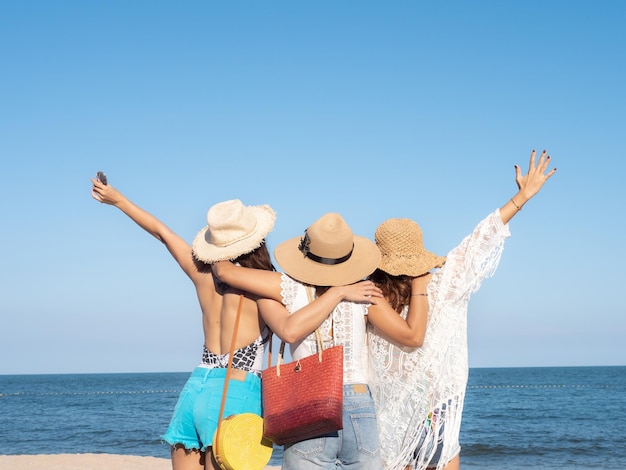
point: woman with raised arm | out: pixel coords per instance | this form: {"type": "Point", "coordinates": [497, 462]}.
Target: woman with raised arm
{"type": "Point", "coordinates": [330, 261]}
{"type": "Point", "coordinates": [234, 232]}
{"type": "Point", "coordinates": [419, 393]}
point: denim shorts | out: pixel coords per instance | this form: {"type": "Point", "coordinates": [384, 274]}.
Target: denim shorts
{"type": "Point", "coordinates": [195, 417]}
{"type": "Point", "coordinates": [355, 447]}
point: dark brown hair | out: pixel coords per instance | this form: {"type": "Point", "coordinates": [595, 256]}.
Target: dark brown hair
{"type": "Point", "coordinates": [396, 289]}
{"type": "Point", "coordinates": [256, 259]}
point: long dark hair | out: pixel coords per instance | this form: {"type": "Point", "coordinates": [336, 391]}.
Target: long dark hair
{"type": "Point", "coordinates": [257, 259]}
{"type": "Point", "coordinates": [396, 289]}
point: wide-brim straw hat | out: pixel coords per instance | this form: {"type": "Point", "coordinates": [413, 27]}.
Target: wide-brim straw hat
{"type": "Point", "coordinates": [402, 249]}
{"type": "Point", "coordinates": [328, 254]}
{"type": "Point", "coordinates": [232, 230]}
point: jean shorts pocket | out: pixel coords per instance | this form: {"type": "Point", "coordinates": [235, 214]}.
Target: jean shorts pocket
{"type": "Point", "coordinates": [308, 448]}
{"type": "Point", "coordinates": [366, 430]}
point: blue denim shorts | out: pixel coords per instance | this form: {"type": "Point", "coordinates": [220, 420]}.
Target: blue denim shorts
{"type": "Point", "coordinates": [355, 447]}
{"type": "Point", "coordinates": [195, 417]}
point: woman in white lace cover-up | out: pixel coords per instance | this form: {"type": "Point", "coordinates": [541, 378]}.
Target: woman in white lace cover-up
{"type": "Point", "coordinates": [419, 393]}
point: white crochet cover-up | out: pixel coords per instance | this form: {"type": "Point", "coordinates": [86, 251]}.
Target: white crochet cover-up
{"type": "Point", "coordinates": [419, 393]}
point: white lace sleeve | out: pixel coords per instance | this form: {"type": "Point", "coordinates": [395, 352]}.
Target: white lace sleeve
{"type": "Point", "coordinates": [474, 259]}
{"type": "Point", "coordinates": [289, 291]}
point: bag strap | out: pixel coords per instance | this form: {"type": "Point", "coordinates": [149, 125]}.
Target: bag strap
{"type": "Point", "coordinates": [228, 371]}
{"type": "Point", "coordinates": [318, 333]}
{"type": "Point", "coordinates": [281, 352]}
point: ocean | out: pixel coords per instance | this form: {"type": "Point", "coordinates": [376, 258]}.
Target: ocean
{"type": "Point", "coordinates": [514, 418]}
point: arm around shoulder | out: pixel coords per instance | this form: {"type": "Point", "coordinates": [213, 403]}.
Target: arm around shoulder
{"type": "Point", "coordinates": [261, 282]}
{"type": "Point", "coordinates": [299, 324]}
{"type": "Point", "coordinates": [409, 332]}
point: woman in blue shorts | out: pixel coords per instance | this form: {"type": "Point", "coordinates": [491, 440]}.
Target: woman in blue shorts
{"type": "Point", "coordinates": [234, 232]}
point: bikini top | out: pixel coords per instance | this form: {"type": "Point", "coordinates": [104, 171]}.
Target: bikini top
{"type": "Point", "coordinates": [248, 358]}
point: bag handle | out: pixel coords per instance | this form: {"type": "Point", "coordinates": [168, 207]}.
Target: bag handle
{"type": "Point", "coordinates": [281, 352]}
{"type": "Point", "coordinates": [228, 371]}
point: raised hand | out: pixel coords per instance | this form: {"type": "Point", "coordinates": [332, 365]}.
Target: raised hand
{"type": "Point", "coordinates": [530, 183]}
{"type": "Point", "coordinates": [105, 194]}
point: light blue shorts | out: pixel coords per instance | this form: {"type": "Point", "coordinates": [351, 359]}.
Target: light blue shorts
{"type": "Point", "coordinates": [195, 417]}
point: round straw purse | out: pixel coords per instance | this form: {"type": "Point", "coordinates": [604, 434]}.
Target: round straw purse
{"type": "Point", "coordinates": [241, 443]}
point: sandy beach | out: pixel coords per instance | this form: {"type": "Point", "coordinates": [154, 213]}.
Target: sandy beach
{"type": "Point", "coordinates": [86, 462]}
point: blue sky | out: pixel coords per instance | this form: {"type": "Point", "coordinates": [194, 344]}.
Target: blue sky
{"type": "Point", "coordinates": [370, 109]}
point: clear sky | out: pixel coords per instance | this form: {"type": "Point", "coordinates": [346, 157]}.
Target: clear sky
{"type": "Point", "coordinates": [378, 109]}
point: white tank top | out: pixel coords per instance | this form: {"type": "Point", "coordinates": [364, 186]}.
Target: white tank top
{"type": "Point", "coordinates": [346, 326]}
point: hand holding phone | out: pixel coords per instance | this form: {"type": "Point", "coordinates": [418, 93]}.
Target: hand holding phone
{"type": "Point", "coordinates": [100, 176]}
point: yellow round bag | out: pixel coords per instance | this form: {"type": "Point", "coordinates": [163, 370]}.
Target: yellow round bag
{"type": "Point", "coordinates": [239, 443]}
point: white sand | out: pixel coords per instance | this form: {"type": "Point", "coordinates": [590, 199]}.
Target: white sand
{"type": "Point", "coordinates": [86, 462]}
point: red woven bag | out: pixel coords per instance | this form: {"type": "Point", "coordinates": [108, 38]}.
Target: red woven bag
{"type": "Point", "coordinates": [303, 399]}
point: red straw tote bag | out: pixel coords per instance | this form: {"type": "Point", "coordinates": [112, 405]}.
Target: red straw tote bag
{"type": "Point", "coordinates": [304, 398]}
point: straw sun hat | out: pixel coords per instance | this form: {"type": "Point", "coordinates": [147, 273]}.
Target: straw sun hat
{"type": "Point", "coordinates": [402, 248]}
{"type": "Point", "coordinates": [233, 230]}
{"type": "Point", "coordinates": [328, 254]}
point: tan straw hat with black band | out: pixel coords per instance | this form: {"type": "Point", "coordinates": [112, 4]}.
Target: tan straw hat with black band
{"type": "Point", "coordinates": [233, 230]}
{"type": "Point", "coordinates": [328, 254]}
{"type": "Point", "coordinates": [402, 249]}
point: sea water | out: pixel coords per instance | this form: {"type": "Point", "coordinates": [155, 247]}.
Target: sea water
{"type": "Point", "coordinates": [514, 418]}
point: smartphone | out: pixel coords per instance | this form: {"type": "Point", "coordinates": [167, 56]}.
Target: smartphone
{"type": "Point", "coordinates": [100, 176]}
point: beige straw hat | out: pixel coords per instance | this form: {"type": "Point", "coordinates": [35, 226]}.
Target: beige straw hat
{"type": "Point", "coordinates": [233, 230]}
{"type": "Point", "coordinates": [402, 248]}
{"type": "Point", "coordinates": [328, 254]}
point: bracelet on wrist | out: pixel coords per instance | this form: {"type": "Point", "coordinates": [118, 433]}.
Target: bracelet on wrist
{"type": "Point", "coordinates": [420, 295]}
{"type": "Point", "coordinates": [519, 208]}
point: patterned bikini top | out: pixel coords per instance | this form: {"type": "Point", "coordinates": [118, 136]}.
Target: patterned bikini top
{"type": "Point", "coordinates": [248, 358]}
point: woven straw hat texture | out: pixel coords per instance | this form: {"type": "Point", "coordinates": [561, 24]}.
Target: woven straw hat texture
{"type": "Point", "coordinates": [402, 249]}
{"type": "Point", "coordinates": [232, 230]}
